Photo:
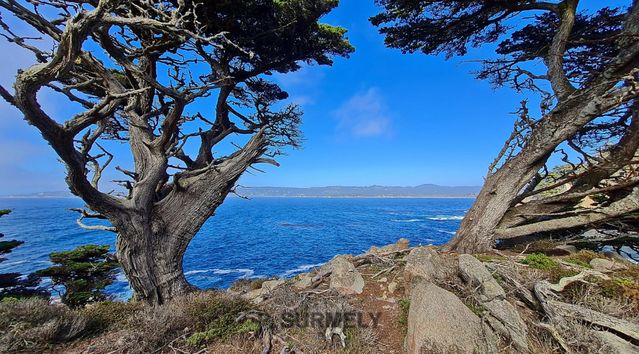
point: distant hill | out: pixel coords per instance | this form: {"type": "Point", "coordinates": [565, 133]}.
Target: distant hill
{"type": "Point", "coordinates": [421, 191]}
{"type": "Point", "coordinates": [58, 194]}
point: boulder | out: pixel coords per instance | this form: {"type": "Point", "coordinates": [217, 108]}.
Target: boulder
{"type": "Point", "coordinates": [426, 264]}
{"type": "Point", "coordinates": [565, 250]}
{"type": "Point", "coordinates": [594, 234]}
{"type": "Point", "coordinates": [439, 322]}
{"type": "Point", "coordinates": [614, 344]}
{"type": "Point", "coordinates": [258, 295]}
{"type": "Point", "coordinates": [400, 245]}
{"type": "Point", "coordinates": [502, 315]}
{"type": "Point", "coordinates": [303, 281]}
{"type": "Point", "coordinates": [606, 265]}
{"type": "Point", "coordinates": [475, 273]}
{"type": "Point", "coordinates": [270, 285]}
{"type": "Point", "coordinates": [505, 320]}
{"type": "Point", "coordinates": [344, 277]}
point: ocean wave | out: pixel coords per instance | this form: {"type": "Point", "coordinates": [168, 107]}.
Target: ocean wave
{"type": "Point", "coordinates": [24, 262]}
{"type": "Point", "coordinates": [445, 232]}
{"type": "Point", "coordinates": [301, 269]}
{"type": "Point", "coordinates": [444, 218]}
{"type": "Point", "coordinates": [406, 220]}
{"type": "Point", "coordinates": [246, 273]}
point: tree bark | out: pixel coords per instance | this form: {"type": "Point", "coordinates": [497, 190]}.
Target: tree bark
{"type": "Point", "coordinates": [154, 270]}
{"type": "Point", "coordinates": [573, 110]}
{"type": "Point", "coordinates": [500, 189]}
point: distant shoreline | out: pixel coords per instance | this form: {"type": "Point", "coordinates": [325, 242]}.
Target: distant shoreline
{"type": "Point", "coordinates": [359, 196]}
{"type": "Point", "coordinates": [280, 196]}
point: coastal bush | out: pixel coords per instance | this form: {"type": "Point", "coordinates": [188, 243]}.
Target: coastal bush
{"type": "Point", "coordinates": [32, 325]}
{"type": "Point", "coordinates": [105, 315]}
{"type": "Point", "coordinates": [193, 319]}
{"type": "Point", "coordinates": [209, 307]}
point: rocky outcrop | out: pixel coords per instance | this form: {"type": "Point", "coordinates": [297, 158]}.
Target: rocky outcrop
{"type": "Point", "coordinates": [502, 315]}
{"type": "Point", "coordinates": [400, 245]}
{"type": "Point", "coordinates": [344, 277]}
{"type": "Point", "coordinates": [439, 322]}
{"type": "Point", "coordinates": [614, 344]}
{"type": "Point", "coordinates": [606, 265]}
{"type": "Point", "coordinates": [258, 295]}
{"type": "Point", "coordinates": [425, 263]}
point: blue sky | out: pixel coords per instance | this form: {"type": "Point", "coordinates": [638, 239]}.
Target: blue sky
{"type": "Point", "coordinates": [380, 117]}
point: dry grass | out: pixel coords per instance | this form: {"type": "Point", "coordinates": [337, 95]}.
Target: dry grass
{"type": "Point", "coordinates": [33, 325]}
{"type": "Point", "coordinates": [173, 324]}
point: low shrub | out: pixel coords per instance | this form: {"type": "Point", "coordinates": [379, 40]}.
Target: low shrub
{"type": "Point", "coordinates": [102, 316]}
{"type": "Point", "coordinates": [34, 325]}
{"type": "Point", "coordinates": [539, 261]}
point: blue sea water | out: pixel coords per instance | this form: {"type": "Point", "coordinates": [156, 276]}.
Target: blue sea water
{"type": "Point", "coordinates": [246, 238]}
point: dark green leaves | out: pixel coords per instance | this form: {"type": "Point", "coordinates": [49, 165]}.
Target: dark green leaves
{"type": "Point", "coordinates": [84, 272]}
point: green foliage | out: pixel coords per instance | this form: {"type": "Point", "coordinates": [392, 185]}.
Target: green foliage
{"type": "Point", "coordinates": [539, 261]}
{"type": "Point", "coordinates": [452, 26]}
{"type": "Point", "coordinates": [404, 307]}
{"type": "Point", "coordinates": [624, 281]}
{"type": "Point", "coordinates": [83, 272]}
{"type": "Point", "coordinates": [552, 269]}
{"type": "Point", "coordinates": [278, 33]}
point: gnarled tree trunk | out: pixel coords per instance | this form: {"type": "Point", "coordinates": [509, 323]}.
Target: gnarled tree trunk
{"type": "Point", "coordinates": [492, 217]}
{"type": "Point", "coordinates": [153, 267]}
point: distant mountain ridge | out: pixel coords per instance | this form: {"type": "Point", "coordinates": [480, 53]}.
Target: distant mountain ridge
{"type": "Point", "coordinates": [421, 191]}
{"type": "Point", "coordinates": [56, 194]}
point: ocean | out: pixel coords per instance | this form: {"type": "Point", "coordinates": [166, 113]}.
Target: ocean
{"type": "Point", "coordinates": [260, 237]}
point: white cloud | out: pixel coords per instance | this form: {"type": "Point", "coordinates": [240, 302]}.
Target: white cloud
{"type": "Point", "coordinates": [364, 115]}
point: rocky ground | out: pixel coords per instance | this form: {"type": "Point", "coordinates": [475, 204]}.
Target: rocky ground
{"type": "Point", "coordinates": [432, 302]}
{"type": "Point", "coordinates": [394, 299]}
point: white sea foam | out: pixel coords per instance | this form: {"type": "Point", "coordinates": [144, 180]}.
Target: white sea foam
{"type": "Point", "coordinates": [301, 269]}
{"type": "Point", "coordinates": [445, 232]}
{"type": "Point", "coordinates": [406, 220]}
{"type": "Point", "coordinates": [444, 218]}
{"type": "Point", "coordinates": [246, 273]}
